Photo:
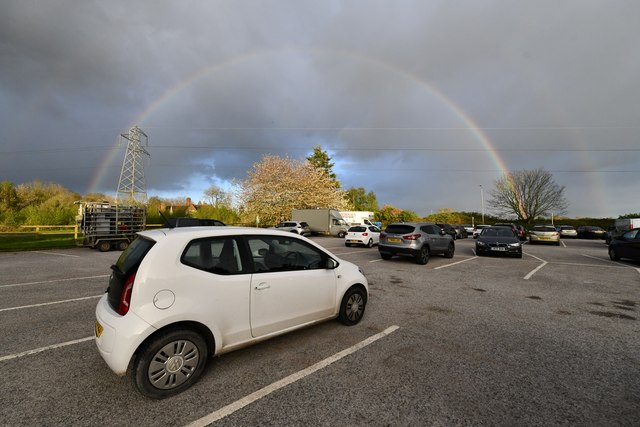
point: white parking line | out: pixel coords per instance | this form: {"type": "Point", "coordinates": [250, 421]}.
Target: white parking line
{"type": "Point", "coordinates": [613, 262]}
{"type": "Point", "coordinates": [48, 303]}
{"type": "Point", "coordinates": [535, 270]}
{"type": "Point", "coordinates": [454, 263]}
{"type": "Point", "coordinates": [577, 264]}
{"type": "Point", "coordinates": [41, 349]}
{"type": "Point", "coordinates": [53, 281]}
{"type": "Point", "coordinates": [253, 397]}
{"type": "Point", "coordinates": [348, 253]}
{"type": "Point", "coordinates": [55, 253]}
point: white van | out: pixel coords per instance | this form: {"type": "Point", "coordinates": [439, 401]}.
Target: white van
{"type": "Point", "coordinates": [621, 226]}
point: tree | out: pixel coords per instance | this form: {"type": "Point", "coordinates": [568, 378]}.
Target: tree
{"type": "Point", "coordinates": [275, 186]}
{"type": "Point", "coordinates": [216, 195]}
{"type": "Point", "coordinates": [321, 160]}
{"type": "Point", "coordinates": [389, 214]}
{"type": "Point", "coordinates": [8, 196]}
{"type": "Point", "coordinates": [528, 194]}
{"type": "Point", "coordinates": [447, 215]}
{"type": "Point", "coordinates": [361, 200]}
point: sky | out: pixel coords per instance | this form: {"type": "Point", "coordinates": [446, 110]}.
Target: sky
{"type": "Point", "coordinates": [426, 103]}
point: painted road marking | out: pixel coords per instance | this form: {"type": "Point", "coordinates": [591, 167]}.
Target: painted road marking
{"type": "Point", "coordinates": [49, 303]}
{"type": "Point", "coordinates": [263, 392]}
{"type": "Point", "coordinates": [54, 281]}
{"type": "Point", "coordinates": [41, 349]}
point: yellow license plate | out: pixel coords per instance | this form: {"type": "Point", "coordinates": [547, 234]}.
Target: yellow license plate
{"type": "Point", "coordinates": [99, 329]}
{"type": "Point", "coordinates": [394, 240]}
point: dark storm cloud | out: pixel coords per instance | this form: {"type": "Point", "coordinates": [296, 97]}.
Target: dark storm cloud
{"type": "Point", "coordinates": [389, 88]}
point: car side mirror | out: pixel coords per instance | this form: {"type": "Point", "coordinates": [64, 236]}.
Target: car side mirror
{"type": "Point", "coordinates": [332, 264]}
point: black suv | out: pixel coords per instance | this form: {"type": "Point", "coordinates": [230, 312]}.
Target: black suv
{"type": "Point", "coordinates": [416, 239]}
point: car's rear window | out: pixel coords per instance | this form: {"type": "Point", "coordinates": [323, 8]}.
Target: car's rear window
{"type": "Point", "coordinates": [543, 228]}
{"type": "Point", "coordinates": [399, 229]}
{"type": "Point", "coordinates": [358, 229]}
{"type": "Point", "coordinates": [134, 254]}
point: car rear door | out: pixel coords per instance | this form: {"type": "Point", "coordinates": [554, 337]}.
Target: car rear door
{"type": "Point", "coordinates": [437, 241]}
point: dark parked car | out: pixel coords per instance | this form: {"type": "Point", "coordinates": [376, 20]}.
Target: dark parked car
{"type": "Point", "coordinates": [193, 222]}
{"type": "Point", "coordinates": [626, 246]}
{"type": "Point", "coordinates": [461, 232]}
{"type": "Point", "coordinates": [448, 228]}
{"type": "Point", "coordinates": [591, 232]}
{"type": "Point", "coordinates": [417, 239]}
{"type": "Point", "coordinates": [498, 240]}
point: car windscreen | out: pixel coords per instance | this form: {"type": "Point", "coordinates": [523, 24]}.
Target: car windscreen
{"type": "Point", "coordinates": [399, 229]}
{"type": "Point", "coordinates": [134, 254]}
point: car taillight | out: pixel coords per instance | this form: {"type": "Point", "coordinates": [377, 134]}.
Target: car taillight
{"type": "Point", "coordinates": [383, 235]}
{"type": "Point", "coordinates": [411, 237]}
{"type": "Point", "coordinates": [365, 234]}
{"type": "Point", "coordinates": [125, 297]}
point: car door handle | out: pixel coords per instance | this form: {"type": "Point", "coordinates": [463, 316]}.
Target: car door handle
{"type": "Point", "coordinates": [262, 286]}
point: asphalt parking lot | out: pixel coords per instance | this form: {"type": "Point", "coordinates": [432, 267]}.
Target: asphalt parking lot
{"type": "Point", "coordinates": [552, 338]}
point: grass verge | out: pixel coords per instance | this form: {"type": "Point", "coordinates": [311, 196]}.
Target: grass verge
{"type": "Point", "coordinates": [35, 241]}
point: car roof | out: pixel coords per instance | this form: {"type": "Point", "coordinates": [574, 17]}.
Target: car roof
{"type": "Point", "coordinates": [197, 232]}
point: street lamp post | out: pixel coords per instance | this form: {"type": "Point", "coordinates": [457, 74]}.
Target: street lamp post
{"type": "Point", "coordinates": [482, 201]}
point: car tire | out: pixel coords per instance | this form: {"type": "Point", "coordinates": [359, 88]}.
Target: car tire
{"type": "Point", "coordinates": [123, 245]}
{"type": "Point", "coordinates": [519, 255]}
{"type": "Point", "coordinates": [341, 234]}
{"type": "Point", "coordinates": [352, 306]}
{"type": "Point", "coordinates": [450, 251]}
{"type": "Point", "coordinates": [613, 254]}
{"type": "Point", "coordinates": [385, 255]}
{"type": "Point", "coordinates": [370, 243]}
{"type": "Point", "coordinates": [185, 354]}
{"type": "Point", "coordinates": [422, 257]}
{"type": "Point", "coordinates": [104, 246]}
{"type": "Point", "coordinates": [348, 245]}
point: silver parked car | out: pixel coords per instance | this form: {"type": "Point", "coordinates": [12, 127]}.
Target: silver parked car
{"type": "Point", "coordinates": [299, 227]}
{"type": "Point", "coordinates": [417, 239]}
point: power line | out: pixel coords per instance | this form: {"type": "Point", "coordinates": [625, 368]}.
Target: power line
{"type": "Point", "coordinates": [395, 149]}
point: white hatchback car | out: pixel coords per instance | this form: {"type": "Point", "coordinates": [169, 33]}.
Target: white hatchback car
{"type": "Point", "coordinates": [367, 235]}
{"type": "Point", "coordinates": [178, 296]}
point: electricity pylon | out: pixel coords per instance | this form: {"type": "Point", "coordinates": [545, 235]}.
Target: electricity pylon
{"type": "Point", "coordinates": [132, 185]}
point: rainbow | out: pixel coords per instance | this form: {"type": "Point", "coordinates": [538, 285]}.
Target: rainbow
{"type": "Point", "coordinates": [165, 97]}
